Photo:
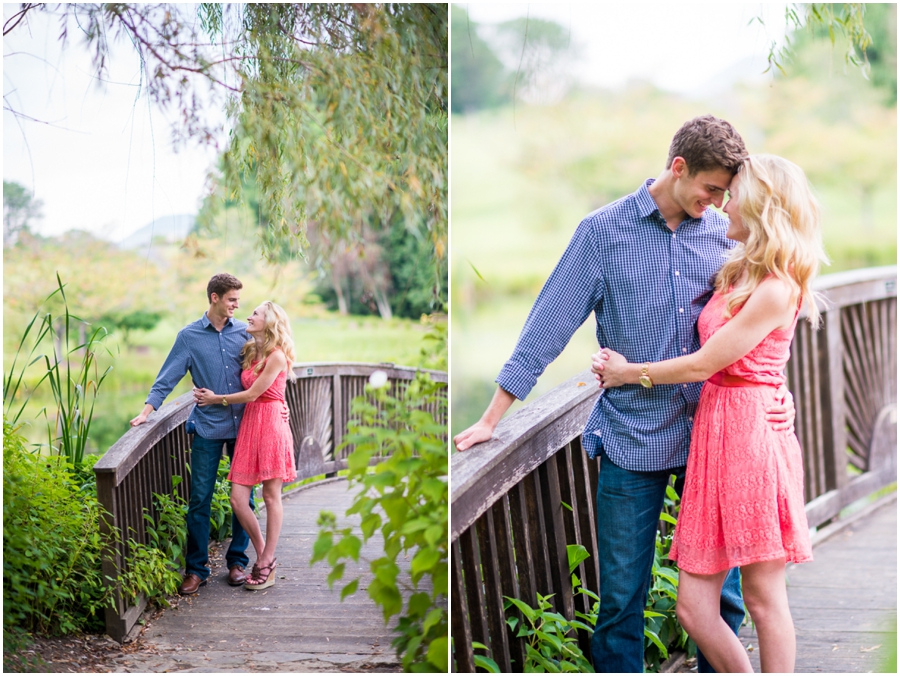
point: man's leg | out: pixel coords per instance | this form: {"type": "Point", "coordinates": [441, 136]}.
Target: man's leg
{"type": "Point", "coordinates": [628, 507]}
{"type": "Point", "coordinates": [205, 454]}
{"type": "Point", "coordinates": [731, 604]}
{"type": "Point", "coordinates": [237, 550]}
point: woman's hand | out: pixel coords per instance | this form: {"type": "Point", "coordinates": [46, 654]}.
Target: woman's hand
{"type": "Point", "coordinates": [204, 397]}
{"type": "Point", "coordinates": [609, 368]}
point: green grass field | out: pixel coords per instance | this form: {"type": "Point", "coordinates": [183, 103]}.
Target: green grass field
{"type": "Point", "coordinates": [122, 394]}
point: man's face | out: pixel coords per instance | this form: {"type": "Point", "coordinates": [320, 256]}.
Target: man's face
{"type": "Point", "coordinates": [227, 303]}
{"type": "Point", "coordinates": [695, 192]}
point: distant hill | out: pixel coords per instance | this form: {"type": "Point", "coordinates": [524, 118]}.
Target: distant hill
{"type": "Point", "coordinates": [170, 228]}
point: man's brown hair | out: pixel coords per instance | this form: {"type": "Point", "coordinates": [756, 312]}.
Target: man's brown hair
{"type": "Point", "coordinates": [707, 143]}
{"type": "Point", "coordinates": [221, 284]}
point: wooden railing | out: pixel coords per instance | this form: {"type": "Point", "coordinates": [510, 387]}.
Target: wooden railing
{"type": "Point", "coordinates": [509, 528]}
{"type": "Point", "coordinates": [146, 458]}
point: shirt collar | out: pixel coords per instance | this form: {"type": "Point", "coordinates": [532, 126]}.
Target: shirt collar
{"type": "Point", "coordinates": [647, 205]}
{"type": "Point", "coordinates": [645, 202]}
{"type": "Point", "coordinates": [205, 323]}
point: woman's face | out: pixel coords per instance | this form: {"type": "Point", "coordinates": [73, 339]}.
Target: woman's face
{"type": "Point", "coordinates": [736, 229]}
{"type": "Point", "coordinates": [256, 323]}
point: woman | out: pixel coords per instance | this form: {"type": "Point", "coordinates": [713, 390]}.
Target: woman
{"type": "Point", "coordinates": [743, 497]}
{"type": "Point", "coordinates": [264, 451]}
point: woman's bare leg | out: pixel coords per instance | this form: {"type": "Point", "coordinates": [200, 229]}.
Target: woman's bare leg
{"type": "Point", "coordinates": [698, 612]}
{"type": "Point", "coordinates": [765, 594]}
{"type": "Point", "coordinates": [274, 517]}
{"type": "Point", "coordinates": [240, 504]}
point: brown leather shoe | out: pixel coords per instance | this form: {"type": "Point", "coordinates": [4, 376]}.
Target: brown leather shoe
{"type": "Point", "coordinates": [191, 584]}
{"type": "Point", "coordinates": [237, 575]}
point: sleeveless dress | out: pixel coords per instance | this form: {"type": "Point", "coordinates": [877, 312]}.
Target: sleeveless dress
{"type": "Point", "coordinates": [265, 446]}
{"type": "Point", "coordinates": [743, 493]}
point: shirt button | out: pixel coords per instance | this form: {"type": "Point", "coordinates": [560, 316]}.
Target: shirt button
{"type": "Point", "coordinates": [684, 349]}
{"type": "Point", "coordinates": [691, 418]}
{"type": "Point", "coordinates": [681, 310]}
{"type": "Point", "coordinates": [677, 273]}
{"type": "Point", "coordinates": [684, 386]}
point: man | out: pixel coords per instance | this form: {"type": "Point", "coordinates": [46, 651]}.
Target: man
{"type": "Point", "coordinates": [644, 265]}
{"type": "Point", "coordinates": [210, 349]}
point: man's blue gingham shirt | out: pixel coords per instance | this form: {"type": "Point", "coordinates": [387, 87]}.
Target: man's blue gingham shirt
{"type": "Point", "coordinates": [646, 286]}
{"type": "Point", "coordinates": [213, 358]}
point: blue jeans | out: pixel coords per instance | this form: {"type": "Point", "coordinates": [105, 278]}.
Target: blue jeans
{"type": "Point", "coordinates": [628, 508]}
{"type": "Point", "coordinates": [205, 456]}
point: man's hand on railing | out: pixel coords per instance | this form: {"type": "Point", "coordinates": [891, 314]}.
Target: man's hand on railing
{"type": "Point", "coordinates": [141, 418]}
{"type": "Point", "coordinates": [476, 434]}
{"type": "Point", "coordinates": [484, 428]}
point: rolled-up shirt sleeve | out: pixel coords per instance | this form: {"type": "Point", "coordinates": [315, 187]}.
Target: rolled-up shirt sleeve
{"type": "Point", "coordinates": [572, 292]}
{"type": "Point", "coordinates": [177, 364]}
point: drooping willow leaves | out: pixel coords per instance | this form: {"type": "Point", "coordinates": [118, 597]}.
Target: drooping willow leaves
{"type": "Point", "coordinates": [337, 111]}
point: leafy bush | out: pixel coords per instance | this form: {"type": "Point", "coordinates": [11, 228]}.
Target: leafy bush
{"type": "Point", "coordinates": [52, 546]}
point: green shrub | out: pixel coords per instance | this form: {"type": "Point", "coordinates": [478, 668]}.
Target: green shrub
{"type": "Point", "coordinates": [405, 496]}
{"type": "Point", "coordinates": [52, 546]}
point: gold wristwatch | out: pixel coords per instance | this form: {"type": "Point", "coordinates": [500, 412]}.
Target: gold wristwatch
{"type": "Point", "coordinates": [645, 376]}
{"type": "Point", "coordinates": [225, 401]}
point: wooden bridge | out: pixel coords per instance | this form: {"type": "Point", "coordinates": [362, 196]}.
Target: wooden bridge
{"type": "Point", "coordinates": [299, 622]}
{"type": "Point", "coordinates": [509, 527]}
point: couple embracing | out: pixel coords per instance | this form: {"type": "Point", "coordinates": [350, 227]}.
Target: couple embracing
{"type": "Point", "coordinates": [239, 373]}
{"type": "Point", "coordinates": [683, 295]}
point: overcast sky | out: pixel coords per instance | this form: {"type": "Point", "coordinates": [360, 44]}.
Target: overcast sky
{"type": "Point", "coordinates": [680, 47]}
{"type": "Point", "coordinates": [105, 163]}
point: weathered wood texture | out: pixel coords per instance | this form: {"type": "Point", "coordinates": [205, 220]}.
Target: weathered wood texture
{"type": "Point", "coordinates": [844, 603]}
{"type": "Point", "coordinates": [299, 616]}
{"type": "Point", "coordinates": [146, 458]}
{"type": "Point", "coordinates": [518, 500]}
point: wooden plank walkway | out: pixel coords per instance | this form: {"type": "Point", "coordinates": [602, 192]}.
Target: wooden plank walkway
{"type": "Point", "coordinates": [299, 625]}
{"type": "Point", "coordinates": [844, 603]}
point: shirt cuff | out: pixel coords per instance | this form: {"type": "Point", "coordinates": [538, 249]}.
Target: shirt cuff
{"type": "Point", "coordinates": [516, 380]}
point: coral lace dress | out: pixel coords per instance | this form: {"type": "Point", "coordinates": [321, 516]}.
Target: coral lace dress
{"type": "Point", "coordinates": [743, 492]}
{"type": "Point", "coordinates": [265, 447]}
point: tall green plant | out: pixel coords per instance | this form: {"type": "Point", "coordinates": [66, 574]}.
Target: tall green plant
{"type": "Point", "coordinates": [74, 390]}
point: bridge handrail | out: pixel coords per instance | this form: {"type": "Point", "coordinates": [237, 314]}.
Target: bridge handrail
{"type": "Point", "coordinates": [144, 460]}
{"type": "Point", "coordinates": [519, 499]}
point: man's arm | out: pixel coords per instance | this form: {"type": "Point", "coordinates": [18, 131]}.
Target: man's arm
{"type": "Point", "coordinates": [173, 370]}
{"type": "Point", "coordinates": [484, 428]}
{"type": "Point", "coordinates": [568, 297]}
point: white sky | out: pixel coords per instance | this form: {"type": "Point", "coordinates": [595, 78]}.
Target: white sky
{"type": "Point", "coordinates": [107, 165]}
{"type": "Point", "coordinates": [678, 46]}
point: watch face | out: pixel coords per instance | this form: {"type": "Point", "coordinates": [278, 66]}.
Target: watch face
{"type": "Point", "coordinates": [645, 381]}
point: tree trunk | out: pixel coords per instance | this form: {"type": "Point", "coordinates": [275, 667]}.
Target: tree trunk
{"type": "Point", "coordinates": [384, 305]}
{"type": "Point", "coordinates": [339, 292]}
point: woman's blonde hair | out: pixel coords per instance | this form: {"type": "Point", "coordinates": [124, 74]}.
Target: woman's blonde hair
{"type": "Point", "coordinates": [777, 206]}
{"type": "Point", "coordinates": [277, 335]}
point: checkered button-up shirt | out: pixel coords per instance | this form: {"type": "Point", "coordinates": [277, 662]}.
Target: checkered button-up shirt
{"type": "Point", "coordinates": [213, 358]}
{"type": "Point", "coordinates": [646, 286]}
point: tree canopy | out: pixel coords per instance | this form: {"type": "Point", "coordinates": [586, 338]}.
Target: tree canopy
{"type": "Point", "coordinates": [339, 111]}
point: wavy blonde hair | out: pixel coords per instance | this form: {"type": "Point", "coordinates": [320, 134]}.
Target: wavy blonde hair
{"type": "Point", "coordinates": [277, 335]}
{"type": "Point", "coordinates": [777, 206]}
